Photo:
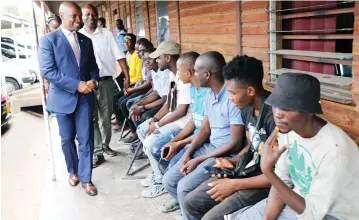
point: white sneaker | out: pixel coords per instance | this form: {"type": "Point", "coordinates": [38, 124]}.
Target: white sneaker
{"type": "Point", "coordinates": [148, 181]}
{"type": "Point", "coordinates": [154, 191]}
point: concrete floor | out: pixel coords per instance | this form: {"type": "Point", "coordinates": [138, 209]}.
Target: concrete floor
{"type": "Point", "coordinates": [23, 167]}
{"type": "Point", "coordinates": [29, 192]}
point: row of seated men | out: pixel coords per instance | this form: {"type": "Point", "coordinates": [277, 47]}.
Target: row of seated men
{"type": "Point", "coordinates": [225, 148]}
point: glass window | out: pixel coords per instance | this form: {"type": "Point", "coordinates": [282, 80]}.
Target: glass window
{"type": "Point", "coordinates": [162, 21]}
{"type": "Point", "coordinates": [140, 24]}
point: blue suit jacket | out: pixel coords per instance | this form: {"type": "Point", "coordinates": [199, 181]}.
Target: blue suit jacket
{"type": "Point", "coordinates": [59, 66]}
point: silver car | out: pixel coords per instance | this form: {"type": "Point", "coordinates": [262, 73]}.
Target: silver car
{"type": "Point", "coordinates": [17, 72]}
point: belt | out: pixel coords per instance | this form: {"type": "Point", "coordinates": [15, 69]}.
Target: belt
{"type": "Point", "coordinates": [105, 78]}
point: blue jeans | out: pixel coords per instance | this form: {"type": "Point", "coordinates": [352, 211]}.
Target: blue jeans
{"type": "Point", "coordinates": [153, 143]}
{"type": "Point", "coordinates": [156, 150]}
{"type": "Point", "coordinates": [178, 186]}
{"type": "Point", "coordinates": [256, 212]}
{"type": "Point", "coordinates": [132, 101]}
{"type": "Point", "coordinates": [177, 157]}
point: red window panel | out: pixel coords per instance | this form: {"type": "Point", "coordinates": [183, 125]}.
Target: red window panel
{"type": "Point", "coordinates": [310, 24]}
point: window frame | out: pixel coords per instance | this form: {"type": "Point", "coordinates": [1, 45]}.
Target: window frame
{"type": "Point", "coordinates": [139, 13]}
{"type": "Point", "coordinates": [157, 22]}
{"type": "Point", "coordinates": [335, 93]}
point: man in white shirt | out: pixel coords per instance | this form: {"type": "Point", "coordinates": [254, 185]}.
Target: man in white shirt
{"type": "Point", "coordinates": [172, 117]}
{"type": "Point", "coordinates": [317, 164]}
{"type": "Point", "coordinates": [147, 106]}
{"type": "Point", "coordinates": [106, 53]}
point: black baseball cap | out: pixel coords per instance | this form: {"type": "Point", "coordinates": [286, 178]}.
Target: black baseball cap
{"type": "Point", "coordinates": [298, 92]}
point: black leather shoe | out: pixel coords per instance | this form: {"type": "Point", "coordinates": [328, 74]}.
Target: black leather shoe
{"type": "Point", "coordinates": [97, 160]}
{"type": "Point", "coordinates": [109, 152]}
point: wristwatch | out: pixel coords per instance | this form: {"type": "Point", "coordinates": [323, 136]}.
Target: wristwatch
{"type": "Point", "coordinates": [142, 108]}
{"type": "Point", "coordinates": [96, 84]}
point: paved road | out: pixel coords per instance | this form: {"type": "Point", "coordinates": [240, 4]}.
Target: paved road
{"type": "Point", "coordinates": [23, 167]}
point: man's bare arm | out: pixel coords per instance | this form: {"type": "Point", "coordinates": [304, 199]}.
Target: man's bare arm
{"type": "Point", "coordinates": [183, 136]}
{"type": "Point", "coordinates": [201, 137]}
{"type": "Point", "coordinates": [123, 65]}
{"type": "Point", "coordinates": [274, 205]}
{"type": "Point", "coordinates": [156, 103]}
{"type": "Point", "coordinates": [162, 112]}
{"type": "Point", "coordinates": [235, 144]}
{"type": "Point", "coordinates": [150, 98]}
{"type": "Point", "coordinates": [180, 112]}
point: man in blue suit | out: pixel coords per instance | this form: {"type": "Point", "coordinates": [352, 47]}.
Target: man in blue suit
{"type": "Point", "coordinates": [68, 62]}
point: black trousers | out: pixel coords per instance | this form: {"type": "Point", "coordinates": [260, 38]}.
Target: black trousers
{"type": "Point", "coordinates": [121, 103]}
{"type": "Point", "coordinates": [116, 109]}
{"type": "Point", "coordinates": [200, 205]}
{"type": "Point", "coordinates": [118, 94]}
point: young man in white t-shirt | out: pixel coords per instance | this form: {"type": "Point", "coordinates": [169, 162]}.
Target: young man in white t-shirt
{"type": "Point", "coordinates": [316, 172]}
{"type": "Point", "coordinates": [172, 117]}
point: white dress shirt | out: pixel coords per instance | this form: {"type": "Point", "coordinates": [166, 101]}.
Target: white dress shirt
{"type": "Point", "coordinates": [106, 50]}
{"type": "Point", "coordinates": [68, 36]}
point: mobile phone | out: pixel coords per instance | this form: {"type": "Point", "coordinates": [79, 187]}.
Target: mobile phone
{"type": "Point", "coordinates": [215, 171]}
{"type": "Point", "coordinates": [165, 152]}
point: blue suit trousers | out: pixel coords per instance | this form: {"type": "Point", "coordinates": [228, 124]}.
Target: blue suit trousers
{"type": "Point", "coordinates": [79, 122]}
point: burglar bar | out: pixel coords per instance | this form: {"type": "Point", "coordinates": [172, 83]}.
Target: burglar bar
{"type": "Point", "coordinates": [312, 6]}
{"type": "Point", "coordinates": [312, 31]}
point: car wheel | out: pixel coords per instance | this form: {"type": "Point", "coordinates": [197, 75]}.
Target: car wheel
{"type": "Point", "coordinates": [11, 85]}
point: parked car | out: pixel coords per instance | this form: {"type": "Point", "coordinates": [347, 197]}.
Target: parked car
{"type": "Point", "coordinates": [8, 49]}
{"type": "Point", "coordinates": [5, 105]}
{"type": "Point", "coordinates": [23, 54]}
{"type": "Point", "coordinates": [17, 73]}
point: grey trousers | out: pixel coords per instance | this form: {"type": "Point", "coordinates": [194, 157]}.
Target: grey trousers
{"type": "Point", "coordinates": [102, 115]}
{"type": "Point", "coordinates": [257, 212]}
{"type": "Point", "coordinates": [200, 205]}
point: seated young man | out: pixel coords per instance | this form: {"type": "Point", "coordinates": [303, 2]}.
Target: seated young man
{"type": "Point", "coordinates": [141, 87]}
{"type": "Point", "coordinates": [222, 126]}
{"type": "Point", "coordinates": [317, 164]}
{"type": "Point", "coordinates": [135, 74]}
{"type": "Point", "coordinates": [180, 138]}
{"type": "Point", "coordinates": [174, 114]}
{"type": "Point", "coordinates": [215, 198]}
{"type": "Point", "coordinates": [148, 105]}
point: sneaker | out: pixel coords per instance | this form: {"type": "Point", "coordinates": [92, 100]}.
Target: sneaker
{"type": "Point", "coordinates": [154, 191]}
{"type": "Point", "coordinates": [109, 151]}
{"type": "Point", "coordinates": [97, 160]}
{"type": "Point", "coordinates": [131, 140]}
{"type": "Point", "coordinates": [170, 206]}
{"type": "Point", "coordinates": [148, 181]}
